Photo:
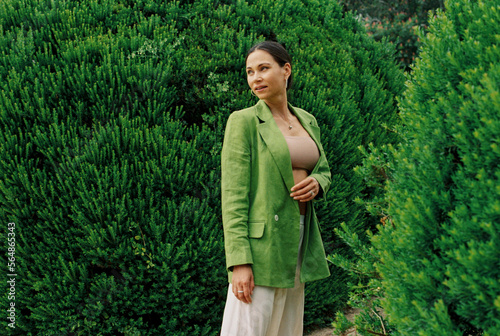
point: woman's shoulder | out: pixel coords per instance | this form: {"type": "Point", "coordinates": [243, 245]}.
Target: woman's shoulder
{"type": "Point", "coordinates": [242, 120]}
{"type": "Point", "coordinates": [304, 114]}
{"type": "Point", "coordinates": [243, 115]}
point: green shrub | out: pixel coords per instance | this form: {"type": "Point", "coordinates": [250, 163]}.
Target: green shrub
{"type": "Point", "coordinates": [439, 251]}
{"type": "Point", "coordinates": [396, 20]}
{"type": "Point", "coordinates": [366, 294]}
{"type": "Point", "coordinates": [111, 123]}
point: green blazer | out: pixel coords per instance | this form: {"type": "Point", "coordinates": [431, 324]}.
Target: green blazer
{"type": "Point", "coordinates": [260, 219]}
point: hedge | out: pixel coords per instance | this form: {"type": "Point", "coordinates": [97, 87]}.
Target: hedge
{"type": "Point", "coordinates": [440, 250]}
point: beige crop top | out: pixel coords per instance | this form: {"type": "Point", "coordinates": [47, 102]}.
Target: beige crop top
{"type": "Point", "coordinates": [303, 152]}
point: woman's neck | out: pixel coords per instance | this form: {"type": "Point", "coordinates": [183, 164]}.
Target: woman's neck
{"type": "Point", "coordinates": [279, 108]}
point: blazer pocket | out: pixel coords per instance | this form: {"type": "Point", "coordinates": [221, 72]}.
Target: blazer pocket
{"type": "Point", "coordinates": [256, 229]}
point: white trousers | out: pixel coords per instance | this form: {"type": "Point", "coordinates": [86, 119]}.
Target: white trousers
{"type": "Point", "coordinates": [273, 311]}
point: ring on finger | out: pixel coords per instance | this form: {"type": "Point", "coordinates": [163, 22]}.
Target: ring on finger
{"type": "Point", "coordinates": [312, 192]}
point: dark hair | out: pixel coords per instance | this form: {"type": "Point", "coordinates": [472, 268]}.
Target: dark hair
{"type": "Point", "coordinates": [277, 51]}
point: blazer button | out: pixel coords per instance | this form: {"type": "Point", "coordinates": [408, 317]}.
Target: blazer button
{"type": "Point", "coordinates": [276, 217]}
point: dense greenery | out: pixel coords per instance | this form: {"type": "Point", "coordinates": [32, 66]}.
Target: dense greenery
{"type": "Point", "coordinates": [111, 123]}
{"type": "Point", "coordinates": [398, 21]}
{"type": "Point", "coordinates": [437, 255]}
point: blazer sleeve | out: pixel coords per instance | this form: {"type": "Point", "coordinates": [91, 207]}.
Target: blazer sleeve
{"type": "Point", "coordinates": [235, 189]}
{"type": "Point", "coordinates": [321, 171]}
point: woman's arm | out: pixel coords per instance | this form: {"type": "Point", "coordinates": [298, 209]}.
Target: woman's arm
{"type": "Point", "coordinates": [322, 172]}
{"type": "Point", "coordinates": [236, 173]}
{"type": "Point", "coordinates": [235, 188]}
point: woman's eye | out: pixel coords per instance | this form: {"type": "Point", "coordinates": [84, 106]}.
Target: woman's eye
{"type": "Point", "coordinates": [249, 72]}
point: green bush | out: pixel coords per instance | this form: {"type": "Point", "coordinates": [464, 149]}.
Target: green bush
{"type": "Point", "coordinates": [366, 294]}
{"type": "Point", "coordinates": [111, 123]}
{"type": "Point", "coordinates": [396, 20]}
{"type": "Point", "coordinates": [439, 249]}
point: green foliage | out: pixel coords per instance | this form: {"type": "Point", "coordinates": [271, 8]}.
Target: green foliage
{"type": "Point", "coordinates": [111, 124]}
{"type": "Point", "coordinates": [398, 21]}
{"type": "Point", "coordinates": [439, 250]}
{"type": "Point", "coordinates": [366, 294]}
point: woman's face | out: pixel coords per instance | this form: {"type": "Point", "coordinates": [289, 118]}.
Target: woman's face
{"type": "Point", "coordinates": [266, 78]}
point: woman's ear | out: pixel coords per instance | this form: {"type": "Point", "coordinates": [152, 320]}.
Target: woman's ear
{"type": "Point", "coordinates": [288, 70]}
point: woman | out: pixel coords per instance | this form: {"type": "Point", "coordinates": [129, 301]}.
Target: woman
{"type": "Point", "coordinates": [273, 166]}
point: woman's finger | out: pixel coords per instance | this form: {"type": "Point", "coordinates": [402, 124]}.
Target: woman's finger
{"type": "Point", "coordinates": [244, 294]}
{"type": "Point", "coordinates": [304, 186]}
{"type": "Point", "coordinates": [304, 183]}
{"type": "Point", "coordinates": [306, 193]}
{"type": "Point", "coordinates": [298, 191]}
{"type": "Point", "coordinates": [247, 296]}
{"type": "Point", "coordinates": [300, 185]}
{"type": "Point", "coordinates": [305, 197]}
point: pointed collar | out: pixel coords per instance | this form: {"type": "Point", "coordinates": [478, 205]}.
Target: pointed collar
{"type": "Point", "coordinates": [263, 111]}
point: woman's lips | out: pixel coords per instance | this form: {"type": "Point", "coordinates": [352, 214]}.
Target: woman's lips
{"type": "Point", "coordinates": [260, 88]}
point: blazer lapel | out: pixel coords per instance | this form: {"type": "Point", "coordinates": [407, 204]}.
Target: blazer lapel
{"type": "Point", "coordinates": [313, 130]}
{"type": "Point", "coordinates": [275, 142]}
{"type": "Point", "coordinates": [306, 122]}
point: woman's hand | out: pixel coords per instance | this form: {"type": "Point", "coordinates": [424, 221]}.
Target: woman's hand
{"type": "Point", "coordinates": [243, 284]}
{"type": "Point", "coordinates": [305, 190]}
